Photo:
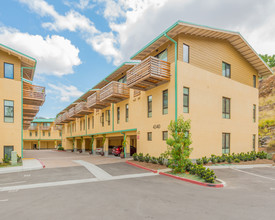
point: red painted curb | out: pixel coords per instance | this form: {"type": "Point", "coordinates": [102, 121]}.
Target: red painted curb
{"type": "Point", "coordinates": [136, 165]}
{"type": "Point", "coordinates": [43, 165]}
{"type": "Point", "coordinates": [193, 181]}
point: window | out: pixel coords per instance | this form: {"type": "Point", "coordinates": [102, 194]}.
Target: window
{"type": "Point", "coordinates": [162, 55]}
{"type": "Point", "coordinates": [254, 142]}
{"type": "Point", "coordinates": [49, 134]}
{"type": "Point", "coordinates": [80, 125]}
{"type": "Point", "coordinates": [60, 134]}
{"type": "Point", "coordinates": [108, 117]}
{"type": "Point", "coordinates": [7, 151]}
{"type": "Point", "coordinates": [88, 123]}
{"type": "Point", "coordinates": [225, 107]}
{"type": "Point", "coordinates": [149, 136]}
{"type": "Point", "coordinates": [164, 135]}
{"type": "Point", "coordinates": [123, 79]}
{"type": "Point", "coordinates": [118, 114]}
{"type": "Point", "coordinates": [226, 70]}
{"type": "Point", "coordinates": [8, 71]}
{"type": "Point", "coordinates": [185, 53]}
{"type": "Point", "coordinates": [8, 111]}
{"type": "Point", "coordinates": [254, 81]}
{"type": "Point", "coordinates": [43, 133]}
{"type": "Point", "coordinates": [225, 143]}
{"type": "Point", "coordinates": [185, 100]}
{"type": "Point", "coordinates": [165, 102]}
{"type": "Point", "coordinates": [93, 121]}
{"type": "Point", "coordinates": [149, 106]}
{"type": "Point", "coordinates": [254, 113]}
{"type": "Point", "coordinates": [126, 112]}
{"type": "Point", "coordinates": [30, 133]}
{"type": "Point", "coordinates": [36, 134]}
{"type": "Point", "coordinates": [84, 121]}
{"type": "Point", "coordinates": [102, 119]}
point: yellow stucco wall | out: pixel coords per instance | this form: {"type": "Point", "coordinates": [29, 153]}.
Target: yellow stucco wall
{"type": "Point", "coordinates": [10, 89]}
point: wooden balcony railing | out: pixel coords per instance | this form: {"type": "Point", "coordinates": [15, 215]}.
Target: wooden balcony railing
{"type": "Point", "coordinates": [58, 120]}
{"type": "Point", "coordinates": [114, 92]}
{"type": "Point", "coordinates": [32, 127]}
{"type": "Point", "coordinates": [45, 128]}
{"type": "Point", "coordinates": [82, 109]}
{"type": "Point", "coordinates": [30, 108]}
{"type": "Point", "coordinates": [150, 73]}
{"type": "Point", "coordinates": [72, 113]}
{"type": "Point", "coordinates": [93, 101]}
{"type": "Point", "coordinates": [27, 118]}
{"type": "Point", "coordinates": [66, 118]}
{"type": "Point", "coordinates": [33, 95]}
{"type": "Point", "coordinates": [57, 128]}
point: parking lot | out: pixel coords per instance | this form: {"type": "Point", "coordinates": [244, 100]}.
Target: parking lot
{"type": "Point", "coordinates": [132, 193]}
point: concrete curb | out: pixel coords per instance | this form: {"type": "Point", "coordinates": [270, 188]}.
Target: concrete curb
{"type": "Point", "coordinates": [136, 165]}
{"type": "Point", "coordinates": [239, 166]}
{"type": "Point", "coordinates": [193, 181]}
{"type": "Point", "coordinates": [43, 165]}
{"type": "Point", "coordinates": [25, 167]}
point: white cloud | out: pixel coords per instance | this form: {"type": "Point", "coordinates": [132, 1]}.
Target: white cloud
{"type": "Point", "coordinates": [82, 4]}
{"type": "Point", "coordinates": [64, 92]}
{"type": "Point", "coordinates": [55, 55]}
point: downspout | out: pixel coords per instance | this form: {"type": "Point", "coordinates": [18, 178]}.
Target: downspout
{"type": "Point", "coordinates": [86, 123]}
{"type": "Point", "coordinates": [176, 75]}
{"type": "Point", "coordinates": [112, 116]}
{"type": "Point", "coordinates": [22, 121]}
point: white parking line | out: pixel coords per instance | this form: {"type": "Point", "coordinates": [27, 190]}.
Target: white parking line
{"type": "Point", "coordinates": [4, 200]}
{"type": "Point", "coordinates": [71, 182]}
{"type": "Point", "coordinates": [253, 174]}
{"type": "Point", "coordinates": [12, 183]}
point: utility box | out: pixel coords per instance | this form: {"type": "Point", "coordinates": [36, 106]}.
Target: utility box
{"type": "Point", "coordinates": [13, 158]}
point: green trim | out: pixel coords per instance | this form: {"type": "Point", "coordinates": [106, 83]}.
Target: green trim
{"type": "Point", "coordinates": [113, 117]}
{"type": "Point", "coordinates": [176, 75]}
{"type": "Point", "coordinates": [43, 120]}
{"type": "Point", "coordinates": [86, 123]}
{"type": "Point", "coordinates": [41, 139]}
{"type": "Point", "coordinates": [28, 81]}
{"type": "Point", "coordinates": [18, 52]}
{"type": "Point", "coordinates": [108, 132]}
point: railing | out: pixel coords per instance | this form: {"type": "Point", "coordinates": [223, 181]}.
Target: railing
{"type": "Point", "coordinates": [82, 109]}
{"type": "Point", "coordinates": [72, 112]}
{"type": "Point", "coordinates": [148, 74]}
{"type": "Point", "coordinates": [45, 128]}
{"type": "Point", "coordinates": [66, 118]}
{"type": "Point", "coordinates": [30, 108]}
{"type": "Point", "coordinates": [114, 92]}
{"type": "Point", "coordinates": [57, 128]}
{"type": "Point", "coordinates": [27, 118]}
{"type": "Point", "coordinates": [58, 120]}
{"type": "Point", "coordinates": [33, 95]}
{"type": "Point", "coordinates": [93, 101]}
{"type": "Point", "coordinates": [33, 127]}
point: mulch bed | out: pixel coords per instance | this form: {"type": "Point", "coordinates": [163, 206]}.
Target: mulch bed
{"type": "Point", "coordinates": [257, 161]}
{"type": "Point", "coordinates": [149, 165]}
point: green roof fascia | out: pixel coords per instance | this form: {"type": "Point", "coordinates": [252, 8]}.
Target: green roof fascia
{"type": "Point", "coordinates": [170, 28]}
{"type": "Point", "coordinates": [124, 63]}
{"type": "Point", "coordinates": [41, 120]}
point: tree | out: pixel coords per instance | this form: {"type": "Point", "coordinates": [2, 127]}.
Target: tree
{"type": "Point", "coordinates": [270, 60]}
{"type": "Point", "coordinates": [178, 150]}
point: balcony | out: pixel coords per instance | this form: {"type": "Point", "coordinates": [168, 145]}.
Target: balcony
{"type": "Point", "coordinates": [45, 127]}
{"type": "Point", "coordinates": [58, 120]}
{"type": "Point", "coordinates": [32, 127]}
{"type": "Point", "coordinates": [33, 95]}
{"type": "Point", "coordinates": [57, 127]}
{"type": "Point", "coordinates": [114, 92]}
{"type": "Point", "coordinates": [150, 73]}
{"type": "Point", "coordinates": [72, 113]}
{"type": "Point", "coordinates": [93, 101]}
{"type": "Point", "coordinates": [82, 109]}
{"type": "Point", "coordinates": [26, 125]}
{"type": "Point", "coordinates": [66, 118]}
{"type": "Point", "coordinates": [27, 118]}
{"type": "Point", "coordinates": [30, 108]}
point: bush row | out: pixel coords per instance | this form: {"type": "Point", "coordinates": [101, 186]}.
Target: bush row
{"type": "Point", "coordinates": [147, 158]}
{"type": "Point", "coordinates": [229, 158]}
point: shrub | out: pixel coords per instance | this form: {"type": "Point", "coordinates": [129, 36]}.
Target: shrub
{"type": "Point", "coordinates": [199, 161]}
{"type": "Point", "coordinates": [205, 160]}
{"type": "Point", "coordinates": [223, 158]}
{"type": "Point", "coordinates": [140, 157]}
{"type": "Point", "coordinates": [219, 159]}
{"type": "Point", "coordinates": [262, 155]}
{"type": "Point", "coordinates": [19, 159]}
{"type": "Point", "coordinates": [213, 159]}
{"type": "Point", "coordinates": [154, 160]}
{"type": "Point", "coordinates": [237, 160]}
{"type": "Point", "coordinates": [161, 160]}
{"type": "Point", "coordinates": [229, 159]}
{"type": "Point", "coordinates": [188, 166]}
{"type": "Point", "coordinates": [269, 156]}
{"type": "Point", "coordinates": [60, 148]}
{"type": "Point", "coordinates": [6, 159]}
{"type": "Point", "coordinates": [147, 158]}
{"type": "Point", "coordinates": [135, 156]}
{"type": "Point", "coordinates": [206, 174]}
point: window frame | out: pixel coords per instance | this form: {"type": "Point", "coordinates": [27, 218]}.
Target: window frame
{"type": "Point", "coordinates": [254, 81]}
{"type": "Point", "coordinates": [224, 147]}
{"type": "Point", "coordinates": [4, 150]}
{"type": "Point", "coordinates": [224, 108]}
{"type": "Point", "coordinates": [226, 64]}
{"type": "Point", "coordinates": [254, 142]}
{"type": "Point", "coordinates": [151, 104]}
{"type": "Point", "coordinates": [127, 112]}
{"type": "Point", "coordinates": [5, 70]}
{"type": "Point", "coordinates": [186, 45]}
{"type": "Point", "coordinates": [254, 113]}
{"type": "Point", "coordinates": [157, 56]}
{"type": "Point", "coordinates": [102, 119]}
{"type": "Point", "coordinates": [93, 122]}
{"type": "Point", "coordinates": [188, 100]}
{"type": "Point", "coordinates": [118, 115]}
{"type": "Point", "coordinates": [149, 136]}
{"type": "Point", "coordinates": [89, 121]}
{"type": "Point", "coordinates": [108, 116]}
{"type": "Point", "coordinates": [164, 108]}
{"type": "Point", "coordinates": [163, 135]}
{"type": "Point", "coordinates": [5, 111]}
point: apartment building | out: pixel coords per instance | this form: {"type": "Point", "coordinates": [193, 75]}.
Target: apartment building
{"type": "Point", "coordinates": [42, 134]}
{"type": "Point", "coordinates": [205, 74]}
{"type": "Point", "coordinates": [19, 99]}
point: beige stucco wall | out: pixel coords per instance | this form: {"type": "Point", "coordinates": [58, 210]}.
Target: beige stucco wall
{"type": "Point", "coordinates": [10, 89]}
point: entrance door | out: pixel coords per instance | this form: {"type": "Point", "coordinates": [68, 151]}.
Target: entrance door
{"type": "Point", "coordinates": [7, 151]}
{"type": "Point", "coordinates": [34, 146]}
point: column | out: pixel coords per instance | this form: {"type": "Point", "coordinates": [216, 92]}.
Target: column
{"type": "Point", "coordinates": [106, 147]}
{"type": "Point", "coordinates": [83, 145]}
{"type": "Point", "coordinates": [94, 146]}
{"type": "Point", "coordinates": [74, 145]}
{"type": "Point", "coordinates": [128, 143]}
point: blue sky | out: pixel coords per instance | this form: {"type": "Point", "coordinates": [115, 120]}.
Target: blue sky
{"type": "Point", "coordinates": [79, 42]}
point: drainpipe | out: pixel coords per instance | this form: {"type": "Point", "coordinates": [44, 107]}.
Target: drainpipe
{"type": "Point", "coordinates": [22, 121]}
{"type": "Point", "coordinates": [176, 75]}
{"type": "Point", "coordinates": [112, 116]}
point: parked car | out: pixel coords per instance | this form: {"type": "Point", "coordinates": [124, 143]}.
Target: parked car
{"type": "Point", "coordinates": [117, 150]}
{"type": "Point", "coordinates": [99, 150]}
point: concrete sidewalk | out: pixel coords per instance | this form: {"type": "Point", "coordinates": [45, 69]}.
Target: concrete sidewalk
{"type": "Point", "coordinates": [28, 164]}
